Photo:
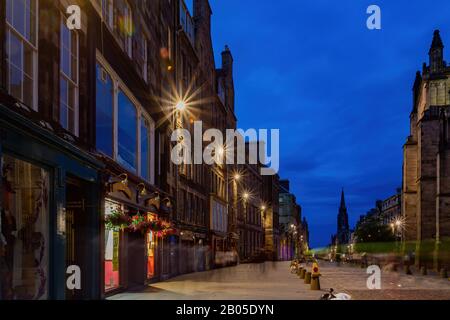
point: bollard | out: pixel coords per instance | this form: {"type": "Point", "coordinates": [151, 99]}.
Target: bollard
{"type": "Point", "coordinates": [308, 278]}
{"type": "Point", "coordinates": [423, 270]}
{"type": "Point", "coordinates": [408, 270]}
{"type": "Point", "coordinates": [444, 273]}
{"type": "Point", "coordinates": [303, 274]}
{"type": "Point", "coordinates": [299, 271]}
{"type": "Point", "coordinates": [315, 283]}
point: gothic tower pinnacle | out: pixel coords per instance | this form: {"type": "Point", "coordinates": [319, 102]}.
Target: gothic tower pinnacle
{"type": "Point", "coordinates": [343, 229]}
{"type": "Point", "coordinates": [436, 53]}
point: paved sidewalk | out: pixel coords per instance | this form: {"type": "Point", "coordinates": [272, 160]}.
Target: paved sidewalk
{"type": "Point", "coordinates": [273, 281]}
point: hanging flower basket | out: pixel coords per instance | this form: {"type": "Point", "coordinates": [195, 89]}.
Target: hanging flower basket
{"type": "Point", "coordinates": [117, 221]}
{"type": "Point", "coordinates": [140, 223]}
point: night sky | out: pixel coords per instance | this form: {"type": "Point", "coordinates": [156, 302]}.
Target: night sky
{"type": "Point", "coordinates": [339, 93]}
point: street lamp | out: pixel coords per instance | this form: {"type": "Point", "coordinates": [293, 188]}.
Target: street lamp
{"type": "Point", "coordinates": [181, 105]}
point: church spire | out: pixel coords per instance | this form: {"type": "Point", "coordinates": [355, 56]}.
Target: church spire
{"type": "Point", "coordinates": [343, 229]}
{"type": "Point", "coordinates": [342, 199]}
{"type": "Point", "coordinates": [436, 53]}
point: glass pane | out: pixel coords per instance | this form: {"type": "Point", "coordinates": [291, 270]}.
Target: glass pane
{"type": "Point", "coordinates": [28, 91]}
{"type": "Point", "coordinates": [145, 150]}
{"type": "Point", "coordinates": [63, 115]}
{"type": "Point", "coordinates": [24, 221]}
{"type": "Point", "coordinates": [104, 112]}
{"type": "Point", "coordinates": [65, 35]}
{"type": "Point", "coordinates": [15, 82]}
{"type": "Point", "coordinates": [127, 132]}
{"type": "Point", "coordinates": [30, 21]}
{"type": "Point", "coordinates": [28, 55]}
{"type": "Point", "coordinates": [19, 16]}
{"type": "Point", "coordinates": [65, 61]}
{"type": "Point", "coordinates": [74, 56]}
{"type": "Point", "coordinates": [71, 120]}
{"type": "Point", "coordinates": [73, 68]}
{"type": "Point", "coordinates": [72, 96]}
{"type": "Point", "coordinates": [9, 11]}
{"type": "Point", "coordinates": [15, 51]}
{"type": "Point", "coordinates": [63, 95]}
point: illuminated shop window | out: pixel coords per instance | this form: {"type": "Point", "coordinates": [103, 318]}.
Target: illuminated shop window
{"type": "Point", "coordinates": [112, 250]}
{"type": "Point", "coordinates": [24, 237]}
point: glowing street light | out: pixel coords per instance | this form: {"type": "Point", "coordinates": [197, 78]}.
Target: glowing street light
{"type": "Point", "coordinates": [237, 177]}
{"type": "Point", "coordinates": [181, 105]}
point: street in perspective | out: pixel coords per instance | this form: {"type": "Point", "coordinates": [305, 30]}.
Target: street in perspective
{"type": "Point", "coordinates": [224, 150]}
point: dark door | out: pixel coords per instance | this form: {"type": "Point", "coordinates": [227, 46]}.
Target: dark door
{"type": "Point", "coordinates": [77, 234]}
{"type": "Point", "coordinates": [137, 270]}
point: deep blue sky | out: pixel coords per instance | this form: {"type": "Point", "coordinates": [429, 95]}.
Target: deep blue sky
{"type": "Point", "coordinates": [340, 93]}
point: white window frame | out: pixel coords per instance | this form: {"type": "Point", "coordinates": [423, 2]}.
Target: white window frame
{"type": "Point", "coordinates": [35, 48]}
{"type": "Point", "coordinates": [69, 80]}
{"type": "Point", "coordinates": [140, 112]}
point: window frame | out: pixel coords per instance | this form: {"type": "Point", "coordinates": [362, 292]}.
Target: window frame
{"type": "Point", "coordinates": [76, 85]}
{"type": "Point", "coordinates": [10, 29]}
{"type": "Point", "coordinates": [119, 85]}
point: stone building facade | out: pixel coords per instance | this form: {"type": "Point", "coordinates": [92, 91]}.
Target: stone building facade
{"type": "Point", "coordinates": [271, 205]}
{"type": "Point", "coordinates": [293, 235]}
{"type": "Point", "coordinates": [426, 164]}
{"type": "Point", "coordinates": [391, 209]}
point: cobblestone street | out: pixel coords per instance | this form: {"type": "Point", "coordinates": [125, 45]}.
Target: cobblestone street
{"type": "Point", "coordinates": [272, 281]}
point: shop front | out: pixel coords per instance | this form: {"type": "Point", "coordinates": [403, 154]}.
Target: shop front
{"type": "Point", "coordinates": [50, 219]}
{"type": "Point", "coordinates": [133, 234]}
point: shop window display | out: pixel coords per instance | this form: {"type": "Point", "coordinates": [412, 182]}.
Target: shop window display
{"type": "Point", "coordinates": [24, 237]}
{"type": "Point", "coordinates": [112, 245]}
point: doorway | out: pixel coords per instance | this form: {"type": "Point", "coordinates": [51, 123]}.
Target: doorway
{"type": "Point", "coordinates": [78, 247]}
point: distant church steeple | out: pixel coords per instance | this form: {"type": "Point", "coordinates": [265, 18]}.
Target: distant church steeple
{"type": "Point", "coordinates": [436, 54]}
{"type": "Point", "coordinates": [343, 229]}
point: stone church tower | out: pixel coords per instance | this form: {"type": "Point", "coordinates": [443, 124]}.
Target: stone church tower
{"type": "Point", "coordinates": [343, 229]}
{"type": "Point", "coordinates": [426, 161]}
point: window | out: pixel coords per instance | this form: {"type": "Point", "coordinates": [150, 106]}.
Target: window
{"type": "Point", "coordinates": [127, 132]}
{"type": "Point", "coordinates": [125, 26]}
{"type": "Point", "coordinates": [104, 112]}
{"type": "Point", "coordinates": [145, 149]}
{"type": "Point", "coordinates": [124, 132]}
{"type": "Point", "coordinates": [68, 112]}
{"type": "Point", "coordinates": [112, 249]}
{"type": "Point", "coordinates": [21, 50]}
{"type": "Point", "coordinates": [108, 12]}
{"type": "Point", "coordinates": [24, 238]}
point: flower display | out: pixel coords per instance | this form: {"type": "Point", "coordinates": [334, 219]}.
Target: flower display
{"type": "Point", "coordinates": [138, 223]}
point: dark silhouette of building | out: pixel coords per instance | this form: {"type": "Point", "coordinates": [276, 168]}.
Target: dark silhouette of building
{"type": "Point", "coordinates": [343, 229]}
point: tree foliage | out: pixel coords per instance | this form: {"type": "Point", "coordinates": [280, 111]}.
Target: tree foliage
{"type": "Point", "coordinates": [372, 229]}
